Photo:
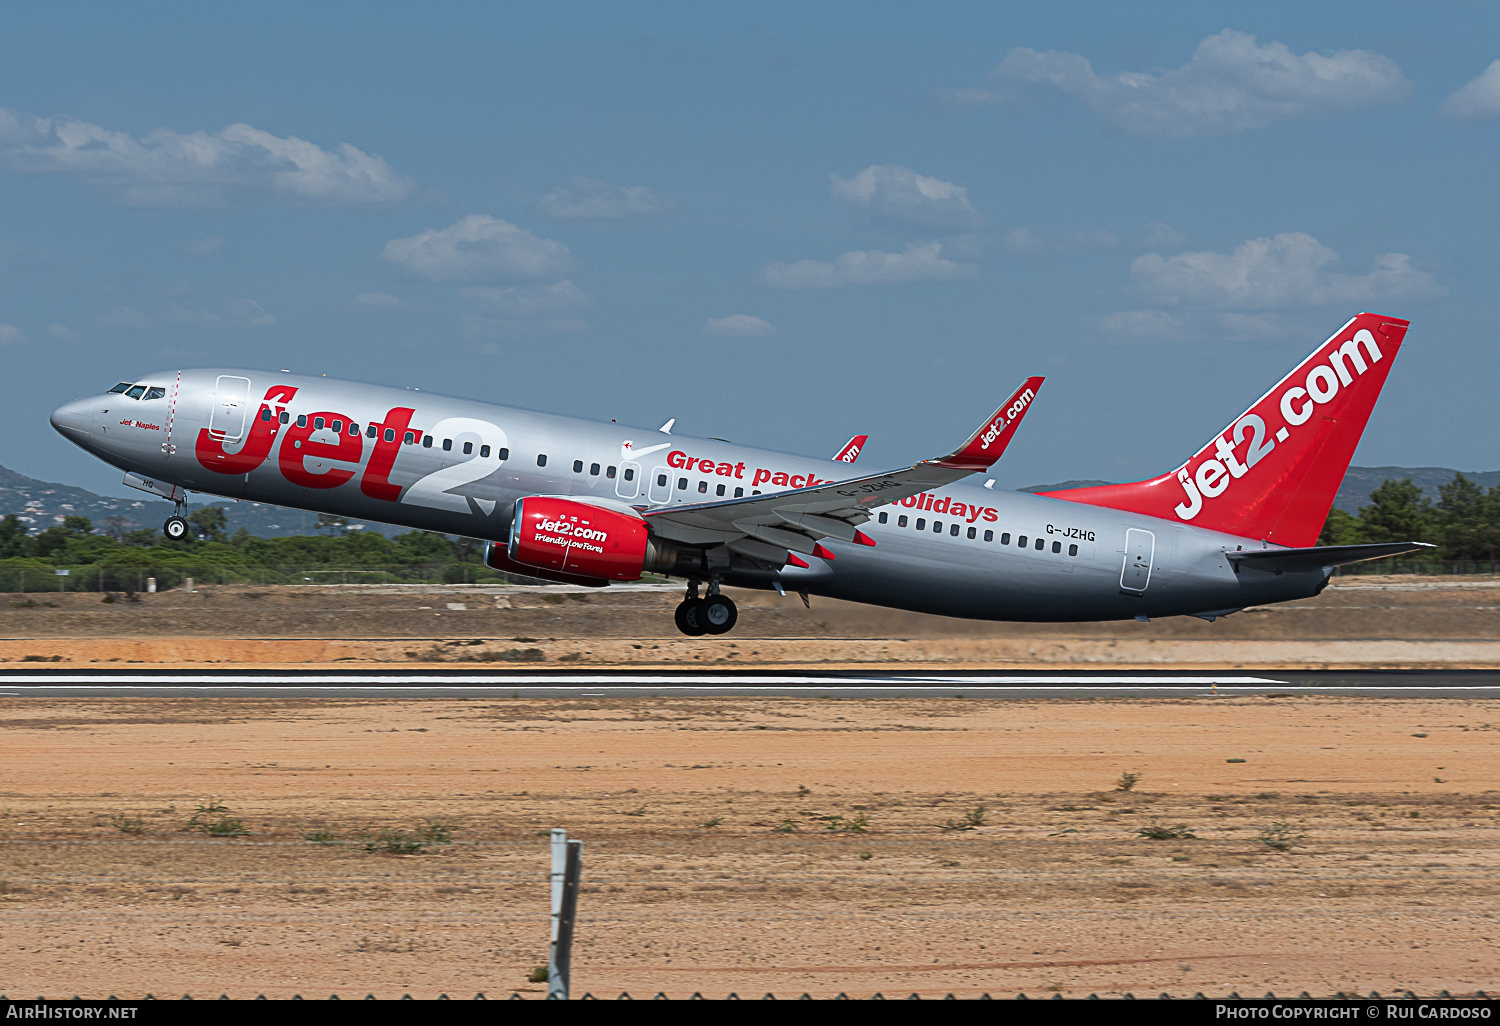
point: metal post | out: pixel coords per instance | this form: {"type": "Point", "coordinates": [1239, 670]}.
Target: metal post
{"type": "Point", "coordinates": [567, 863]}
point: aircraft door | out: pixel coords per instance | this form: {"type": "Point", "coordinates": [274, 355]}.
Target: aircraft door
{"type": "Point", "coordinates": [1140, 547]}
{"type": "Point", "coordinates": [661, 485]}
{"type": "Point", "coordinates": [628, 484]}
{"type": "Point", "coordinates": [227, 419]}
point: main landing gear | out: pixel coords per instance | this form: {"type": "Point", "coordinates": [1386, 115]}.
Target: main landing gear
{"type": "Point", "coordinates": [176, 527]}
{"type": "Point", "coordinates": [715, 614]}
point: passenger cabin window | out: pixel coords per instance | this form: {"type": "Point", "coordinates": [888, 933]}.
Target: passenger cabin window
{"type": "Point", "coordinates": [578, 466]}
{"type": "Point", "coordinates": [989, 536]}
{"type": "Point", "coordinates": [609, 472]}
{"type": "Point", "coordinates": [953, 531]}
{"type": "Point", "coordinates": [122, 386]}
{"type": "Point", "coordinates": [719, 490]}
{"type": "Point", "coordinates": [371, 431]}
{"type": "Point", "coordinates": [504, 454]}
{"type": "Point", "coordinates": [427, 441]}
{"type": "Point", "coordinates": [921, 523]}
{"type": "Point", "coordinates": [739, 493]}
{"type": "Point", "coordinates": [629, 473]}
{"type": "Point", "coordinates": [353, 428]}
{"type": "Point", "coordinates": [265, 413]}
{"type": "Point", "coordinates": [1005, 538]}
{"type": "Point", "coordinates": [390, 434]}
{"type": "Point", "coordinates": [155, 393]}
{"type": "Point", "coordinates": [1057, 547]}
{"type": "Point", "coordinates": [972, 533]}
{"type": "Point", "coordinates": [484, 452]}
{"type": "Point", "coordinates": [318, 423]}
{"type": "Point", "coordinates": [594, 470]}
{"type": "Point", "coordinates": [285, 417]}
{"type": "Point", "coordinates": [447, 445]}
{"type": "Point", "coordinates": [1039, 544]}
{"type": "Point", "coordinates": [411, 436]}
{"type": "Point", "coordinates": [884, 517]}
{"type": "Point", "coordinates": [901, 521]}
{"type": "Point", "coordinates": [541, 460]}
{"type": "Point", "coordinates": [1021, 541]}
{"type": "Point", "coordinates": [702, 487]}
{"type": "Point", "coordinates": [1072, 550]}
{"type": "Point", "coordinates": [337, 427]}
{"type": "Point", "coordinates": [136, 391]}
{"type": "Point", "coordinates": [468, 448]}
{"type": "Point", "coordinates": [302, 420]}
{"type": "Point", "coordinates": [661, 480]}
{"type": "Point", "coordinates": [682, 484]}
{"type": "Point", "coordinates": [937, 527]}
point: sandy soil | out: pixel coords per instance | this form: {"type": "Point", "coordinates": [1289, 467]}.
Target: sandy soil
{"type": "Point", "coordinates": [751, 846]}
{"type": "Point", "coordinates": [1358, 622]}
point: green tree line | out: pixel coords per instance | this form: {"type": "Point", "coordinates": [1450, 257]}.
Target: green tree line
{"type": "Point", "coordinates": [1464, 523]}
{"type": "Point", "coordinates": [118, 560]}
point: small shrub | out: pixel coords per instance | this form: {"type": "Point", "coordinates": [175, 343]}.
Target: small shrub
{"type": "Point", "coordinates": [709, 824]}
{"type": "Point", "coordinates": [786, 826]}
{"type": "Point", "coordinates": [225, 827]}
{"type": "Point", "coordinates": [41, 659]}
{"type": "Point", "coordinates": [395, 842]}
{"type": "Point", "coordinates": [1234, 760]}
{"type": "Point", "coordinates": [635, 812]}
{"type": "Point", "coordinates": [320, 837]}
{"type": "Point", "coordinates": [1280, 837]}
{"type": "Point", "coordinates": [435, 831]}
{"type": "Point", "coordinates": [537, 975]}
{"type": "Point", "coordinates": [972, 819]}
{"type": "Point", "coordinates": [1127, 781]}
{"type": "Point", "coordinates": [128, 824]}
{"type": "Point", "coordinates": [1157, 832]}
{"type": "Point", "coordinates": [866, 856]}
{"type": "Point", "coordinates": [859, 824]}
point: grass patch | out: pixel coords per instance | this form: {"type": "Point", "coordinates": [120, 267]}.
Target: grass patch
{"type": "Point", "coordinates": [1128, 781]}
{"type": "Point", "coordinates": [1158, 832]}
{"type": "Point", "coordinates": [395, 842]}
{"type": "Point", "coordinates": [128, 824]}
{"type": "Point", "coordinates": [1280, 837]}
{"type": "Point", "coordinates": [537, 975]}
{"type": "Point", "coordinates": [437, 831]}
{"type": "Point", "coordinates": [321, 837]}
{"type": "Point", "coordinates": [972, 820]}
{"type": "Point", "coordinates": [709, 824]}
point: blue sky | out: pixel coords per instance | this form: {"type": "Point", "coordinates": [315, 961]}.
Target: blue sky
{"type": "Point", "coordinates": [780, 224]}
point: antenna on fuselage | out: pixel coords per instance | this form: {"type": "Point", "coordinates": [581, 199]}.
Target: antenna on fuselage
{"type": "Point", "coordinates": [666, 428]}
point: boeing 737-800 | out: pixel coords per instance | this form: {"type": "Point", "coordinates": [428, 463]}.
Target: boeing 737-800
{"type": "Point", "coordinates": [587, 502]}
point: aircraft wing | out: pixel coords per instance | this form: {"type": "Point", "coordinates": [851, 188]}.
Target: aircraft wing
{"type": "Point", "coordinates": [765, 527]}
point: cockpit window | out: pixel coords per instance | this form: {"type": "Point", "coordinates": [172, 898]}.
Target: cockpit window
{"type": "Point", "coordinates": [122, 386]}
{"type": "Point", "coordinates": [136, 391]}
{"type": "Point", "coordinates": [155, 392]}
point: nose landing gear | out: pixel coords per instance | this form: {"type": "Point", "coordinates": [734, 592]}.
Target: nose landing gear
{"type": "Point", "coordinates": [715, 614]}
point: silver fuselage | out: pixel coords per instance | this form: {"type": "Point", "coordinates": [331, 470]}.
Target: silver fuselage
{"type": "Point", "coordinates": [206, 432]}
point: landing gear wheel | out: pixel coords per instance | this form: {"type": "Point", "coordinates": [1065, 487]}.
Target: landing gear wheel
{"type": "Point", "coordinates": [175, 528]}
{"type": "Point", "coordinates": [689, 618]}
{"type": "Point", "coordinates": [718, 614]}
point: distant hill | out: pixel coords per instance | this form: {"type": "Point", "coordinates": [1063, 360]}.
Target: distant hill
{"type": "Point", "coordinates": [1359, 482]}
{"type": "Point", "coordinates": [40, 504]}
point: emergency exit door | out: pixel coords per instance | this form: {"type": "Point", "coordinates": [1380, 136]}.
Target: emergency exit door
{"type": "Point", "coordinates": [1140, 547]}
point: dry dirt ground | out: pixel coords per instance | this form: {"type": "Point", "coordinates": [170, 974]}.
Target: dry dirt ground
{"type": "Point", "coordinates": [750, 845]}
{"type": "Point", "coordinates": [1358, 622]}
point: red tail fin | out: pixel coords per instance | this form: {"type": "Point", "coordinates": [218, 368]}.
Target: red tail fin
{"type": "Point", "coordinates": [1273, 473]}
{"type": "Point", "coordinates": [850, 452]}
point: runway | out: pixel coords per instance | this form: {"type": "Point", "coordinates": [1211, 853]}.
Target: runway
{"type": "Point", "coordinates": [492, 683]}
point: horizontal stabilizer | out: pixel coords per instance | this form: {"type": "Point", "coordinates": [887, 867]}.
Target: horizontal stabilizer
{"type": "Point", "coordinates": [1280, 560]}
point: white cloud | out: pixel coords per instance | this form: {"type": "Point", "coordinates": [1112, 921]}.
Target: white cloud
{"type": "Point", "coordinates": [1163, 236]}
{"type": "Point", "coordinates": [738, 326]}
{"type": "Point", "coordinates": [230, 312]}
{"type": "Point", "coordinates": [868, 267]}
{"type": "Point", "coordinates": [203, 247]}
{"type": "Point", "coordinates": [1140, 324]}
{"type": "Point", "coordinates": [529, 300]}
{"type": "Point", "coordinates": [164, 168]}
{"type": "Point", "coordinates": [123, 317]}
{"type": "Point", "coordinates": [1058, 240]}
{"type": "Point", "coordinates": [1290, 270]}
{"type": "Point", "coordinates": [61, 332]}
{"type": "Point", "coordinates": [1232, 84]}
{"type": "Point", "coordinates": [589, 199]}
{"type": "Point", "coordinates": [479, 248]}
{"type": "Point", "coordinates": [376, 301]}
{"type": "Point", "coordinates": [1159, 325]}
{"type": "Point", "coordinates": [248, 313]}
{"type": "Point", "coordinates": [10, 335]}
{"type": "Point", "coordinates": [1478, 99]}
{"type": "Point", "coordinates": [890, 192]}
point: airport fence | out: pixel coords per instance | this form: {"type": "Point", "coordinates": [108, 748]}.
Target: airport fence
{"type": "Point", "coordinates": [34, 576]}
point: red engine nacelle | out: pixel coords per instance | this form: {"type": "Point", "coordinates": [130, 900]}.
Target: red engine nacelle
{"type": "Point", "coordinates": [576, 538]}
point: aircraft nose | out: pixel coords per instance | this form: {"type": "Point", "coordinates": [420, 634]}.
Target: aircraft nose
{"type": "Point", "coordinates": [73, 420]}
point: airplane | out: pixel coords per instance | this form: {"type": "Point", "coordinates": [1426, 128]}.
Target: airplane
{"type": "Point", "coordinates": [586, 502]}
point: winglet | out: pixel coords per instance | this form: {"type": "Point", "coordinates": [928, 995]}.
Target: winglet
{"type": "Point", "coordinates": [850, 452]}
{"type": "Point", "coordinates": [985, 446]}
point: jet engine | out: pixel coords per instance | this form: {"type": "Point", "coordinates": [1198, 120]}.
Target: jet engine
{"type": "Point", "coordinates": [586, 543]}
